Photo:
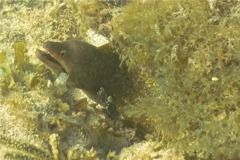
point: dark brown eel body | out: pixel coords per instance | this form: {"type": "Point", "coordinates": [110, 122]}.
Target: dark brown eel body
{"type": "Point", "coordinates": [89, 68]}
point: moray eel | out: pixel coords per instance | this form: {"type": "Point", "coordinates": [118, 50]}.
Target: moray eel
{"type": "Point", "coordinates": [89, 68]}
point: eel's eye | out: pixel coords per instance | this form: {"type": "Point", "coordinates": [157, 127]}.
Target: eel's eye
{"type": "Point", "coordinates": [62, 52]}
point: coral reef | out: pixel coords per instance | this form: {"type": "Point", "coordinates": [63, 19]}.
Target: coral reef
{"type": "Point", "coordinates": [41, 117]}
{"type": "Point", "coordinates": [185, 55]}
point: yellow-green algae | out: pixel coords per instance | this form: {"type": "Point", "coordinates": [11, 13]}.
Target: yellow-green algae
{"type": "Point", "coordinates": [187, 52]}
{"type": "Point", "coordinates": [192, 49]}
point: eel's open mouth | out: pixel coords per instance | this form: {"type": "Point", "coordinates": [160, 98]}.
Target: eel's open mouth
{"type": "Point", "coordinates": [49, 61]}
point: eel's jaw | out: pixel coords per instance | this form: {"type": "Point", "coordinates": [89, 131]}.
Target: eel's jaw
{"type": "Point", "coordinates": [50, 62]}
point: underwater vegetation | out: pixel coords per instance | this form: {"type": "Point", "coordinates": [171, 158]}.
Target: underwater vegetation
{"type": "Point", "coordinates": [192, 50]}
{"type": "Point", "coordinates": [24, 147]}
{"type": "Point", "coordinates": [185, 58]}
{"type": "Point", "coordinates": [51, 123]}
